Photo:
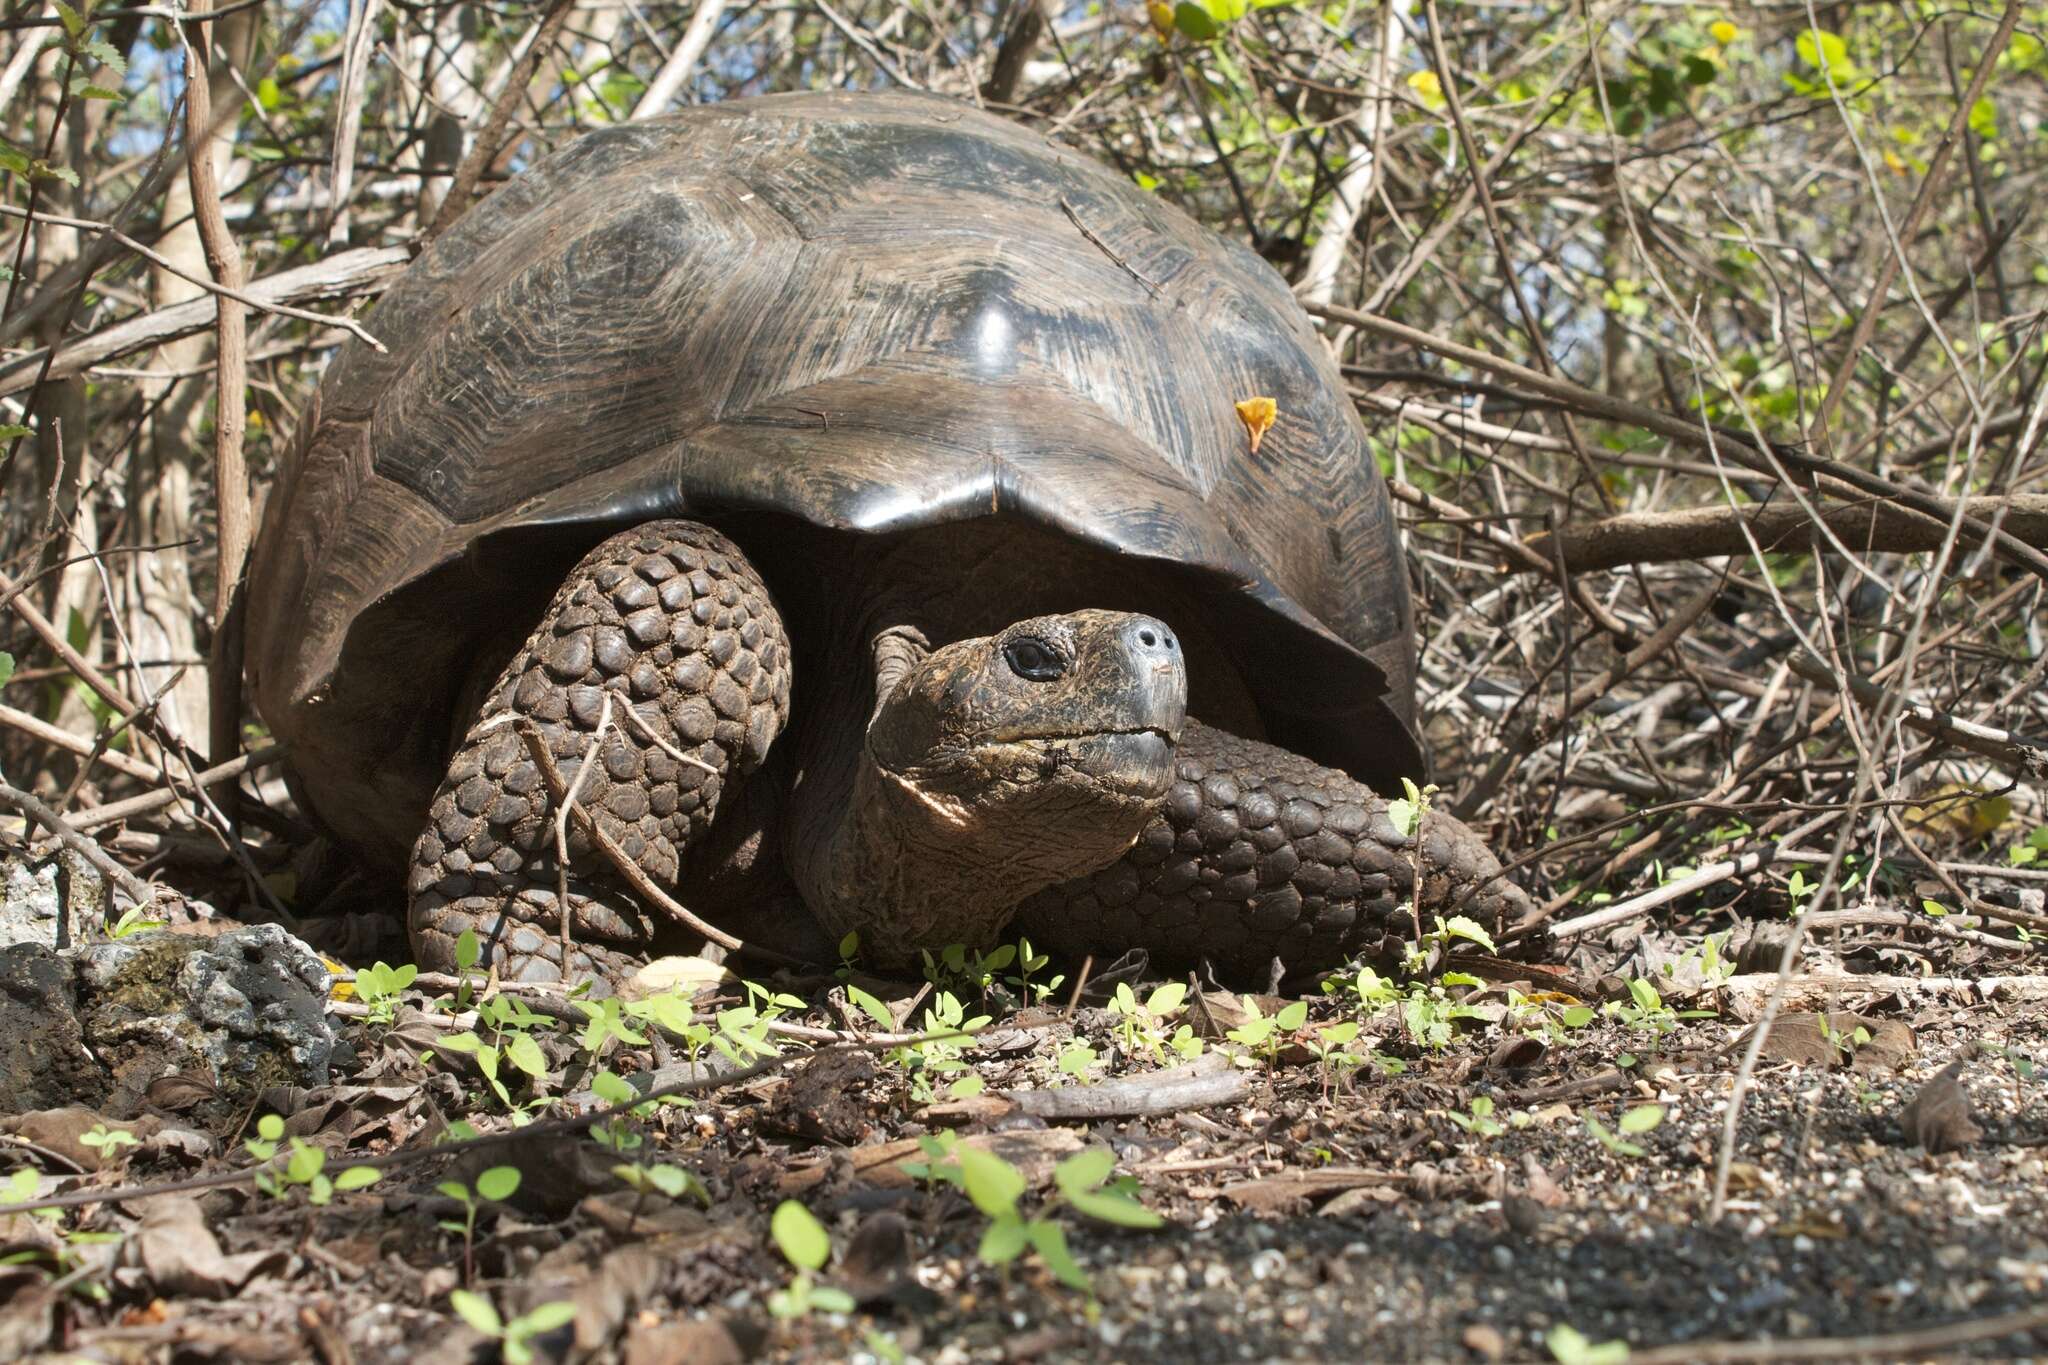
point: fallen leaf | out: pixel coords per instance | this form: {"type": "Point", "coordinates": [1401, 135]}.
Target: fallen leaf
{"type": "Point", "coordinates": [179, 1253]}
{"type": "Point", "coordinates": [877, 1258]}
{"type": "Point", "coordinates": [1258, 416]}
{"type": "Point", "coordinates": [1891, 1046]}
{"type": "Point", "coordinates": [63, 1131]}
{"type": "Point", "coordinates": [688, 974]}
{"type": "Point", "coordinates": [685, 1343]}
{"type": "Point", "coordinates": [1938, 1118]}
{"type": "Point", "coordinates": [1286, 1193]}
{"type": "Point", "coordinates": [1799, 1038]}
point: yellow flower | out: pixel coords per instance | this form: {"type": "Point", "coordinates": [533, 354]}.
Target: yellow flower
{"type": "Point", "coordinates": [1258, 415]}
{"type": "Point", "coordinates": [1162, 19]}
{"type": "Point", "coordinates": [1425, 84]}
{"type": "Point", "coordinates": [1724, 32]}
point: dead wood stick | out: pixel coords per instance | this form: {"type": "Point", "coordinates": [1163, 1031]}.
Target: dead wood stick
{"type": "Point", "coordinates": [12, 595]}
{"type": "Point", "coordinates": [1635, 907]}
{"type": "Point", "coordinates": [23, 804]}
{"type": "Point", "coordinates": [77, 744]}
{"type": "Point", "coordinates": [485, 150]}
{"type": "Point", "coordinates": [1749, 991]}
{"type": "Point", "coordinates": [230, 404]}
{"type": "Point", "coordinates": [342, 275]}
{"type": "Point", "coordinates": [1773, 463]}
{"type": "Point", "coordinates": [241, 294]}
{"type": "Point", "coordinates": [1201, 1085]}
{"type": "Point", "coordinates": [634, 875]}
{"type": "Point", "coordinates": [1917, 1344]}
{"type": "Point", "coordinates": [171, 795]}
{"type": "Point", "coordinates": [1702, 532]}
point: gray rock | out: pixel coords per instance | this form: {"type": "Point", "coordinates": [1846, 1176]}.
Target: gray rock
{"type": "Point", "coordinates": [44, 1062]}
{"type": "Point", "coordinates": [246, 1009]}
{"type": "Point", "coordinates": [55, 901]}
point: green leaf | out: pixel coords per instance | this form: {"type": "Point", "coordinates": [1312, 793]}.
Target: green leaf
{"type": "Point", "coordinates": [1083, 1171]}
{"type": "Point", "coordinates": [6, 659]}
{"type": "Point", "coordinates": [849, 945]}
{"type": "Point", "coordinates": [1194, 21]}
{"type": "Point", "coordinates": [870, 1006]}
{"type": "Point", "coordinates": [1642, 1118]}
{"type": "Point", "coordinates": [467, 950]}
{"type": "Point", "coordinates": [499, 1182]}
{"type": "Point", "coordinates": [356, 1177]}
{"type": "Point", "coordinates": [306, 1161]}
{"type": "Point", "coordinates": [467, 1043]}
{"type": "Point", "coordinates": [270, 1127]}
{"type": "Point", "coordinates": [992, 1183]}
{"type": "Point", "coordinates": [1578, 1016]}
{"type": "Point", "coordinates": [1004, 1241]}
{"type": "Point", "coordinates": [1291, 1017]}
{"type": "Point", "coordinates": [476, 1310]}
{"type": "Point", "coordinates": [74, 23]}
{"type": "Point", "coordinates": [1570, 1347]}
{"type": "Point", "coordinates": [107, 55]}
{"type": "Point", "coordinates": [1825, 51]}
{"type": "Point", "coordinates": [1116, 1208]}
{"type": "Point", "coordinates": [549, 1316]}
{"type": "Point", "coordinates": [1227, 11]}
{"type": "Point", "coordinates": [85, 90]}
{"type": "Point", "coordinates": [1167, 998]}
{"type": "Point", "coordinates": [801, 1236]}
{"type": "Point", "coordinates": [1051, 1241]}
{"type": "Point", "coordinates": [43, 171]}
{"type": "Point", "coordinates": [1458, 926]}
{"type": "Point", "coordinates": [1700, 71]}
{"type": "Point", "coordinates": [523, 1052]}
{"type": "Point", "coordinates": [967, 1087]}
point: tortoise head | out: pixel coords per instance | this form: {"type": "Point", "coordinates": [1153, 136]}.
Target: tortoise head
{"type": "Point", "coordinates": [1001, 765]}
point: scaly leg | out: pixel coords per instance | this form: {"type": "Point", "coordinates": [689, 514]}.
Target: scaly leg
{"type": "Point", "coordinates": [669, 622]}
{"type": "Point", "coordinates": [1261, 854]}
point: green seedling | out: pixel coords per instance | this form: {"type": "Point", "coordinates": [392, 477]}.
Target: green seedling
{"type": "Point", "coordinates": [807, 1246]}
{"type": "Point", "coordinates": [994, 1186]}
{"type": "Point", "coordinates": [304, 1166]}
{"type": "Point", "coordinates": [1570, 1347]}
{"type": "Point", "coordinates": [512, 1337]}
{"type": "Point", "coordinates": [1635, 1122]}
{"type": "Point", "coordinates": [1077, 1058]}
{"type": "Point", "coordinates": [496, 1185]}
{"type": "Point", "coordinates": [937, 1056]}
{"type": "Point", "coordinates": [1030, 991]}
{"type": "Point", "coordinates": [1480, 1120]}
{"type": "Point", "coordinates": [108, 1142]}
{"type": "Point", "coordinates": [1143, 1023]}
{"type": "Point", "coordinates": [378, 988]}
{"type": "Point", "coordinates": [1263, 1033]}
{"type": "Point", "coordinates": [133, 920]}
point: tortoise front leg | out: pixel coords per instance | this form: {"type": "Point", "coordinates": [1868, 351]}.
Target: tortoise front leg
{"type": "Point", "coordinates": [1261, 854]}
{"type": "Point", "coordinates": [665, 636]}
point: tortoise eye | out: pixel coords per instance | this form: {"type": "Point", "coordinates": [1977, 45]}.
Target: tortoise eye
{"type": "Point", "coordinates": [1033, 659]}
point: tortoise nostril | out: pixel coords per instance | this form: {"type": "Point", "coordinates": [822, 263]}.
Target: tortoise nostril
{"type": "Point", "coordinates": [1147, 638]}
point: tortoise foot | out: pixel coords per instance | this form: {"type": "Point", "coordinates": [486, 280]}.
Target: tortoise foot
{"type": "Point", "coordinates": [1260, 854]}
{"type": "Point", "coordinates": [663, 657]}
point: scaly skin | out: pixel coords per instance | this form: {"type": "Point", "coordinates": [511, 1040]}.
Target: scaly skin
{"type": "Point", "coordinates": [1259, 853]}
{"type": "Point", "coordinates": [670, 620]}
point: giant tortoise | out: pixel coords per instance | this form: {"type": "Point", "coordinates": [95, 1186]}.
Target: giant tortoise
{"type": "Point", "coordinates": [888, 430]}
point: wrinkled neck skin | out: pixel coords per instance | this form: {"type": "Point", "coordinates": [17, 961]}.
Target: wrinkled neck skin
{"type": "Point", "coordinates": [944, 856]}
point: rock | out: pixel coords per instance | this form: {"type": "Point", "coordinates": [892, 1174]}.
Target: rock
{"type": "Point", "coordinates": [44, 1063]}
{"type": "Point", "coordinates": [247, 1007]}
{"type": "Point", "coordinates": [54, 901]}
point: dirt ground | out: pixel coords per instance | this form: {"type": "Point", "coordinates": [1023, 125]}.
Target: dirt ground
{"type": "Point", "coordinates": [1310, 1211]}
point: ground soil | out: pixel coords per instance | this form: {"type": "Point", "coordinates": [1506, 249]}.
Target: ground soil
{"type": "Point", "coordinates": [1316, 1215]}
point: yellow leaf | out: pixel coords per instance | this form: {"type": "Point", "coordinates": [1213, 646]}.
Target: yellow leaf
{"type": "Point", "coordinates": [1258, 415]}
{"type": "Point", "coordinates": [1425, 84]}
{"type": "Point", "coordinates": [341, 989]}
{"type": "Point", "coordinates": [1162, 19]}
{"type": "Point", "coordinates": [1724, 32]}
{"type": "Point", "coordinates": [1957, 811]}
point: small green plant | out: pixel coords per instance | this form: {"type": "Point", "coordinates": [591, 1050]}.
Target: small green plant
{"type": "Point", "coordinates": [1332, 1047]}
{"type": "Point", "coordinates": [1645, 1010]}
{"type": "Point", "coordinates": [1430, 1014]}
{"type": "Point", "coordinates": [2033, 850]}
{"type": "Point", "coordinates": [849, 954]}
{"type": "Point", "coordinates": [1077, 1058]}
{"type": "Point", "coordinates": [1143, 1023]}
{"type": "Point", "coordinates": [1369, 991]}
{"type": "Point", "coordinates": [1030, 991]}
{"type": "Point", "coordinates": [378, 988]}
{"type": "Point", "coordinates": [1570, 1347]}
{"type": "Point", "coordinates": [1263, 1033]}
{"type": "Point", "coordinates": [304, 1167]}
{"type": "Point", "coordinates": [962, 971]}
{"type": "Point", "coordinates": [512, 1337]}
{"type": "Point", "coordinates": [1479, 1121]}
{"type": "Point", "coordinates": [507, 1021]}
{"type": "Point", "coordinates": [994, 1186]}
{"type": "Point", "coordinates": [497, 1184]}
{"type": "Point", "coordinates": [133, 920]}
{"type": "Point", "coordinates": [108, 1142]}
{"type": "Point", "coordinates": [937, 1056]}
{"type": "Point", "coordinates": [1633, 1123]}
{"type": "Point", "coordinates": [807, 1246]}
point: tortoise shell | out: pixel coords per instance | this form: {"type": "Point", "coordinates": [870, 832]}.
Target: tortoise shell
{"type": "Point", "coordinates": [866, 312]}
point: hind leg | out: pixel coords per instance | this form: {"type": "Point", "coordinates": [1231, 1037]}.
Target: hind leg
{"type": "Point", "coordinates": [1261, 854]}
{"type": "Point", "coordinates": [665, 636]}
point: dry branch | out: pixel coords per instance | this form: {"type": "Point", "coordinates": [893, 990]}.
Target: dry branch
{"type": "Point", "coordinates": [1706, 532]}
